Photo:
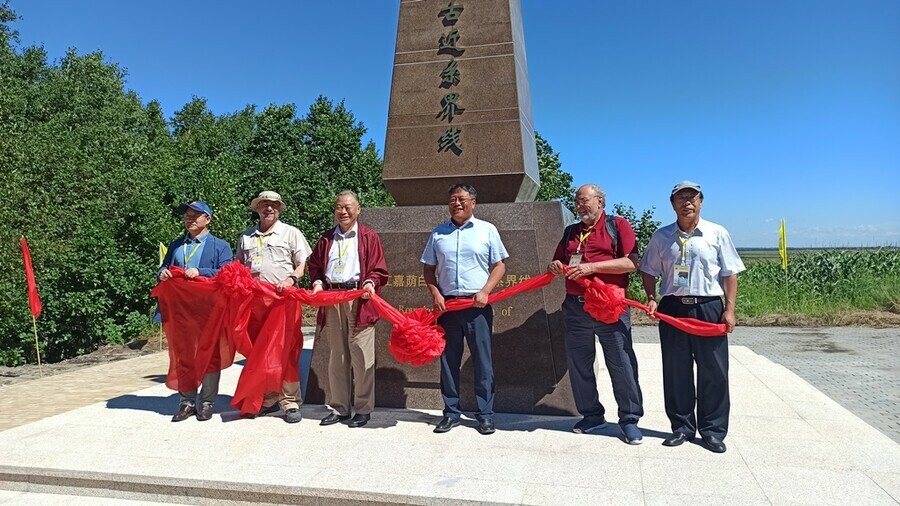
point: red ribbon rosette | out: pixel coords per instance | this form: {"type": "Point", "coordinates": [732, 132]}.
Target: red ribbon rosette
{"type": "Point", "coordinates": [604, 302]}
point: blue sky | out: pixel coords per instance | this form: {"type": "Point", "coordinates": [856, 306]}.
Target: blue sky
{"type": "Point", "coordinates": [778, 108]}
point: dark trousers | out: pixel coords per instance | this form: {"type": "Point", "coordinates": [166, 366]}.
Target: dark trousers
{"type": "Point", "coordinates": [475, 326]}
{"type": "Point", "coordinates": [618, 353]}
{"type": "Point", "coordinates": [679, 352]}
{"type": "Point", "coordinates": [209, 389]}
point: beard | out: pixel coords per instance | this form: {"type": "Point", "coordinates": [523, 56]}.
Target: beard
{"type": "Point", "coordinates": [589, 218]}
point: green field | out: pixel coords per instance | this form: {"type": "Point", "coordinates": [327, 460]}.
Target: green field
{"type": "Point", "coordinates": [753, 255]}
{"type": "Point", "coordinates": [819, 282]}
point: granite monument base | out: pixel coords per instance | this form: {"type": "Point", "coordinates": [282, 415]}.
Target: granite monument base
{"type": "Point", "coordinates": [529, 350]}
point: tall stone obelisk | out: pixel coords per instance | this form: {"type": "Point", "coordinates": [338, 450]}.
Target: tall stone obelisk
{"type": "Point", "coordinates": [460, 104]}
{"type": "Point", "coordinates": [460, 111]}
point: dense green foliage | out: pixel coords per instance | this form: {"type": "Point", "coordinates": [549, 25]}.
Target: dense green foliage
{"type": "Point", "coordinates": [92, 176]}
{"type": "Point", "coordinates": [822, 283]}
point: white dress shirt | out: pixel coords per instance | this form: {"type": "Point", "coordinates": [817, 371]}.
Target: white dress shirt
{"type": "Point", "coordinates": [709, 254]}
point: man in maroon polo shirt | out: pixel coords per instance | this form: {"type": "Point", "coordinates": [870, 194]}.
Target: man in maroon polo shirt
{"type": "Point", "coordinates": [606, 248]}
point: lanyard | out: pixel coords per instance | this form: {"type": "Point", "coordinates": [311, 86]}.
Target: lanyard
{"type": "Point", "coordinates": [582, 236]}
{"type": "Point", "coordinates": [187, 258]}
{"type": "Point", "coordinates": [342, 252]}
{"type": "Point", "coordinates": [683, 245]}
{"type": "Point", "coordinates": [260, 244]}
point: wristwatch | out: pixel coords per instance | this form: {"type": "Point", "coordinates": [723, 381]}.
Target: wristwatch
{"type": "Point", "coordinates": [295, 278]}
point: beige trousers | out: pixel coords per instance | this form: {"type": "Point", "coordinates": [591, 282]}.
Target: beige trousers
{"type": "Point", "coordinates": [351, 364]}
{"type": "Point", "coordinates": [289, 397]}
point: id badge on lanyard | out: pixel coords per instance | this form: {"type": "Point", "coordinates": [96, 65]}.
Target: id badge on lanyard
{"type": "Point", "coordinates": [683, 269]}
{"type": "Point", "coordinates": [337, 272]}
{"type": "Point", "coordinates": [256, 262]}
{"type": "Point", "coordinates": [575, 259]}
{"type": "Point", "coordinates": [682, 272]}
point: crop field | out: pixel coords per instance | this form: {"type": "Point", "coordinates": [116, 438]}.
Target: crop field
{"type": "Point", "coordinates": [818, 282]}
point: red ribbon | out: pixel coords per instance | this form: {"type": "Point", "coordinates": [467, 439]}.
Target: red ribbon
{"type": "Point", "coordinates": [208, 319]}
{"type": "Point", "coordinates": [606, 302]}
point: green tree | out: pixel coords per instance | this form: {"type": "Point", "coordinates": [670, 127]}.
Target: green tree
{"type": "Point", "coordinates": [556, 184]}
{"type": "Point", "coordinates": [92, 177]}
{"type": "Point", "coordinates": [643, 226]}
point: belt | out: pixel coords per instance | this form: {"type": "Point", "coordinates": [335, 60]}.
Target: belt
{"type": "Point", "coordinates": [448, 297]}
{"type": "Point", "coordinates": [579, 298]}
{"type": "Point", "coordinates": [689, 301]}
{"type": "Point", "coordinates": [349, 285]}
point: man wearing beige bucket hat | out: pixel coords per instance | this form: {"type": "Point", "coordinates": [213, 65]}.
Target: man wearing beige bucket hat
{"type": "Point", "coordinates": [276, 253]}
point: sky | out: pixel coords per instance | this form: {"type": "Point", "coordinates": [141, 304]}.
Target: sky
{"type": "Point", "coordinates": [778, 108]}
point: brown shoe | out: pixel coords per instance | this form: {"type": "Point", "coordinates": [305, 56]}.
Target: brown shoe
{"type": "Point", "coordinates": [185, 411]}
{"type": "Point", "coordinates": [205, 412]}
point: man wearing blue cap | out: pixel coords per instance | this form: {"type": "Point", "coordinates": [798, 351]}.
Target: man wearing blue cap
{"type": "Point", "coordinates": [200, 254]}
{"type": "Point", "coordinates": [697, 264]}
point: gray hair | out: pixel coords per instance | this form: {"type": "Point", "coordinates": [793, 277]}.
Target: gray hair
{"type": "Point", "coordinates": [347, 192]}
{"type": "Point", "coordinates": [597, 191]}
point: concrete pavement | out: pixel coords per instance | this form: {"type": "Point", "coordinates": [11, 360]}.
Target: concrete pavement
{"type": "Point", "coordinates": [789, 444]}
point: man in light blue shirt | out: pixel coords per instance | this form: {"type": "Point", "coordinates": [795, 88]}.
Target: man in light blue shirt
{"type": "Point", "coordinates": [464, 259]}
{"type": "Point", "coordinates": [697, 264]}
{"type": "Point", "coordinates": [200, 254]}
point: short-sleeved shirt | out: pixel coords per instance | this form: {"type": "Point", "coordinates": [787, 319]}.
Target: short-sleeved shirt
{"type": "Point", "coordinates": [282, 249]}
{"type": "Point", "coordinates": [191, 250]}
{"type": "Point", "coordinates": [597, 247]}
{"type": "Point", "coordinates": [463, 255]}
{"type": "Point", "coordinates": [709, 254]}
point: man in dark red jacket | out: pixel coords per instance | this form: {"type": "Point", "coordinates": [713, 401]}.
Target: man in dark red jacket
{"type": "Point", "coordinates": [347, 257]}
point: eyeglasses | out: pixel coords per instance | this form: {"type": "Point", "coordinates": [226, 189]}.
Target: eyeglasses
{"type": "Point", "coordinates": [585, 200]}
{"type": "Point", "coordinates": [344, 208]}
{"type": "Point", "coordinates": [459, 200]}
{"type": "Point", "coordinates": [686, 197]}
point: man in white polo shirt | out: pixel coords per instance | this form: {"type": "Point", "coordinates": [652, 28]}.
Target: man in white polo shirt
{"type": "Point", "coordinates": [276, 253]}
{"type": "Point", "coordinates": [697, 264]}
{"type": "Point", "coordinates": [463, 258]}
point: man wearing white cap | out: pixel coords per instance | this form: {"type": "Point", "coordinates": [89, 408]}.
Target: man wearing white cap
{"type": "Point", "coordinates": [275, 253]}
{"type": "Point", "coordinates": [697, 264]}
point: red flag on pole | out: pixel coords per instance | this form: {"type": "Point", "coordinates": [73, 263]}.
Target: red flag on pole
{"type": "Point", "coordinates": [33, 300]}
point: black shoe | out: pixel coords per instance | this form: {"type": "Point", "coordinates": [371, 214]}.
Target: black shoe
{"type": "Point", "coordinates": [333, 419]}
{"type": "Point", "coordinates": [359, 420]}
{"type": "Point", "coordinates": [714, 444]}
{"type": "Point", "coordinates": [589, 423]}
{"type": "Point", "coordinates": [486, 426]}
{"type": "Point", "coordinates": [205, 412]}
{"type": "Point", "coordinates": [268, 410]}
{"type": "Point", "coordinates": [292, 415]}
{"type": "Point", "coordinates": [185, 411]}
{"type": "Point", "coordinates": [446, 424]}
{"type": "Point", "coordinates": [676, 439]}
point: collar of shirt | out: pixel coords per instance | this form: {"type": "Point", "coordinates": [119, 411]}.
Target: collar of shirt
{"type": "Point", "coordinates": [275, 230]}
{"type": "Point", "coordinates": [468, 224]}
{"type": "Point", "coordinates": [350, 233]}
{"type": "Point", "coordinates": [202, 238]}
{"type": "Point", "coordinates": [698, 230]}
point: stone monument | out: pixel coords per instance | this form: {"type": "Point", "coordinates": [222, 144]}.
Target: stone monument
{"type": "Point", "coordinates": [460, 111]}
